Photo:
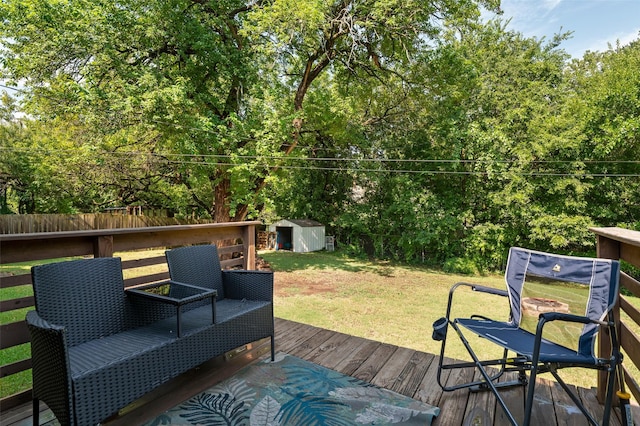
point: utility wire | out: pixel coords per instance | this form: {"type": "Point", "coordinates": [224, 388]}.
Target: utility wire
{"type": "Point", "coordinates": [309, 159]}
{"type": "Point", "coordinates": [165, 157]}
{"type": "Point", "coordinates": [160, 159]}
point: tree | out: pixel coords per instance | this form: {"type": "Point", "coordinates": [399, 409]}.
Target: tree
{"type": "Point", "coordinates": [606, 110]}
{"type": "Point", "coordinates": [476, 154]}
{"type": "Point", "coordinates": [213, 88]}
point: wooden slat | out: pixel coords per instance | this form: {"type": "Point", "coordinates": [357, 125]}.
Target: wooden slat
{"type": "Point", "coordinates": [629, 309]}
{"type": "Point", "coordinates": [480, 406]}
{"type": "Point", "coordinates": [626, 236]}
{"type": "Point", "coordinates": [15, 280]}
{"type": "Point", "coordinates": [310, 344]}
{"type": "Point", "coordinates": [22, 250]}
{"type": "Point", "coordinates": [231, 263]}
{"type": "Point", "coordinates": [139, 263]}
{"type": "Point", "coordinates": [331, 346]}
{"type": "Point", "coordinates": [357, 357]}
{"type": "Point", "coordinates": [13, 304]}
{"type": "Point", "coordinates": [630, 343]}
{"type": "Point", "coordinates": [630, 253]}
{"type": "Point", "coordinates": [513, 398]}
{"type": "Point", "coordinates": [295, 337]}
{"type": "Point", "coordinates": [413, 372]}
{"type": "Point", "coordinates": [146, 279]}
{"type": "Point", "coordinates": [588, 398]}
{"type": "Point", "coordinates": [429, 390]}
{"type": "Point", "coordinates": [335, 358]}
{"type": "Point", "coordinates": [630, 283]}
{"type": "Point", "coordinates": [388, 375]}
{"type": "Point", "coordinates": [157, 237]}
{"type": "Point", "coordinates": [370, 368]}
{"type": "Point", "coordinates": [15, 333]}
{"type": "Point", "coordinates": [632, 386]}
{"type": "Point", "coordinates": [15, 400]}
{"type": "Point", "coordinates": [51, 245]}
{"type": "Point", "coordinates": [16, 367]}
{"type": "Point", "coordinates": [452, 404]}
{"type": "Point", "coordinates": [238, 248]}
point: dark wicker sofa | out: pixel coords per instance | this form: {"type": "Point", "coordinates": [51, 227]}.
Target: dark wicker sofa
{"type": "Point", "coordinates": [96, 348]}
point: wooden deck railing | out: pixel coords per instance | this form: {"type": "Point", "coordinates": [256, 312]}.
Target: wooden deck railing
{"type": "Point", "coordinates": [613, 243]}
{"type": "Point", "coordinates": [104, 243]}
{"type": "Point", "coordinates": [623, 244]}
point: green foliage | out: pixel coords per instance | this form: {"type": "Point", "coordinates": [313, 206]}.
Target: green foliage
{"type": "Point", "coordinates": [412, 130]}
{"type": "Point", "coordinates": [460, 265]}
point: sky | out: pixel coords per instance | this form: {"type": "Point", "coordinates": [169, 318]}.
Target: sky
{"type": "Point", "coordinates": [594, 23]}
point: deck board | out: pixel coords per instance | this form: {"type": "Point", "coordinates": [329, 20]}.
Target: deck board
{"type": "Point", "coordinates": [402, 370]}
{"type": "Point", "coordinates": [480, 404]}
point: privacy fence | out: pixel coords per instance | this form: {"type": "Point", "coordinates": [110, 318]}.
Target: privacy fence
{"type": "Point", "coordinates": [32, 223]}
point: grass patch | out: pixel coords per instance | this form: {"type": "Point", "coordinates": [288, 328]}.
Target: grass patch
{"type": "Point", "coordinates": [386, 302]}
{"type": "Point", "coordinates": [383, 301]}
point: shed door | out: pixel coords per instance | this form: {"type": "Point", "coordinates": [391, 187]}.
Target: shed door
{"type": "Point", "coordinates": [285, 237]}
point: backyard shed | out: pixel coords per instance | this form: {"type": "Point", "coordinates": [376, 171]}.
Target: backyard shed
{"type": "Point", "coordinates": [299, 235]}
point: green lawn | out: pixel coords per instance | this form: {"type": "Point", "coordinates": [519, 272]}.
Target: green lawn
{"type": "Point", "coordinates": [391, 303]}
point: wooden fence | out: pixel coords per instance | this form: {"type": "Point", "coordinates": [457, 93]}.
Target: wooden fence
{"type": "Point", "coordinates": [623, 244]}
{"type": "Point", "coordinates": [238, 251]}
{"type": "Point", "coordinates": [32, 223]}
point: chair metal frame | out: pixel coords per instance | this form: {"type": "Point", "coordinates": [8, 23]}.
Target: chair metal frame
{"type": "Point", "coordinates": [534, 361]}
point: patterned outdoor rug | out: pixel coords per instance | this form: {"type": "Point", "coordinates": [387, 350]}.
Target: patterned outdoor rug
{"type": "Point", "coordinates": [291, 391]}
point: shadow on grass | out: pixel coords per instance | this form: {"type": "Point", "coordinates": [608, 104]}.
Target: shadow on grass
{"type": "Point", "coordinates": [286, 261]}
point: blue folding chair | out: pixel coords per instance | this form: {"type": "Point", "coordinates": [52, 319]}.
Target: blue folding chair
{"type": "Point", "coordinates": [558, 305]}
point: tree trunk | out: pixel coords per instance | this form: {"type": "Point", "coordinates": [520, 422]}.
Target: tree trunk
{"type": "Point", "coordinates": [222, 196]}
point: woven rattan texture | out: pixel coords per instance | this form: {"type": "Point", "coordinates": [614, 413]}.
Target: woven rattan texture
{"type": "Point", "coordinates": [196, 265]}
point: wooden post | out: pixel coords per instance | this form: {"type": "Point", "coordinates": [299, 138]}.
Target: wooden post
{"type": "Point", "coordinates": [103, 246]}
{"type": "Point", "coordinates": [249, 242]}
{"type": "Point", "coordinates": [608, 249]}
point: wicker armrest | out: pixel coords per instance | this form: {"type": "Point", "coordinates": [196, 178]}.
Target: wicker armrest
{"type": "Point", "coordinates": [35, 320]}
{"type": "Point", "coordinates": [51, 372]}
{"type": "Point", "coordinates": [250, 285]}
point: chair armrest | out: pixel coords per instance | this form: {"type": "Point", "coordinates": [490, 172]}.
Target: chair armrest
{"type": "Point", "coordinates": [489, 290]}
{"type": "Point", "coordinates": [559, 316]}
{"type": "Point", "coordinates": [35, 321]}
{"type": "Point", "coordinates": [250, 285]}
{"type": "Point", "coordinates": [480, 288]}
{"type": "Point", "coordinates": [50, 363]}
{"type": "Point", "coordinates": [474, 287]}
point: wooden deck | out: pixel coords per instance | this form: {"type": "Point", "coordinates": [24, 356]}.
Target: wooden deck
{"type": "Point", "coordinates": [402, 370]}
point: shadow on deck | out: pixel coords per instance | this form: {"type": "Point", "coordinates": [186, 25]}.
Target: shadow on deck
{"type": "Point", "coordinates": [405, 371]}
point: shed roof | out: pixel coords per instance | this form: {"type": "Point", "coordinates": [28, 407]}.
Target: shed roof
{"type": "Point", "coordinates": [305, 223]}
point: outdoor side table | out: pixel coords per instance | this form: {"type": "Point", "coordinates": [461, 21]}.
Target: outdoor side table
{"type": "Point", "coordinates": [176, 294]}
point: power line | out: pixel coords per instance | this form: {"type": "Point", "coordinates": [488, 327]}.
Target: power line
{"type": "Point", "coordinates": [43, 151]}
{"type": "Point", "coordinates": [505, 173]}
{"type": "Point", "coordinates": [165, 157]}
{"type": "Point", "coordinates": [408, 171]}
{"type": "Point", "coordinates": [15, 89]}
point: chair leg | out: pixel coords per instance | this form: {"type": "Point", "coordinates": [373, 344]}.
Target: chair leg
{"type": "Point", "coordinates": [577, 401]}
{"type": "Point", "coordinates": [609, 396]}
{"type": "Point", "coordinates": [36, 412]}
{"type": "Point", "coordinates": [273, 347]}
